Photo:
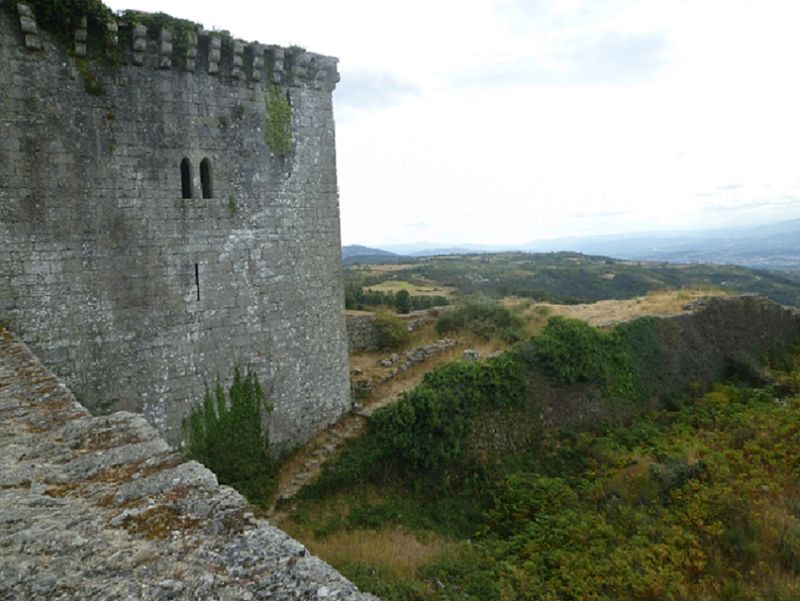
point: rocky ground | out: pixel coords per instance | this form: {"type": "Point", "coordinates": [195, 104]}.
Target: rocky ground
{"type": "Point", "coordinates": [101, 508]}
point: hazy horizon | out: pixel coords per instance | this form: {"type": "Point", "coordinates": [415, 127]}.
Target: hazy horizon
{"type": "Point", "coordinates": [622, 234]}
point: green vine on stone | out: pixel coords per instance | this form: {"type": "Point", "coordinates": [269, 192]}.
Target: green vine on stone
{"type": "Point", "coordinates": [278, 124]}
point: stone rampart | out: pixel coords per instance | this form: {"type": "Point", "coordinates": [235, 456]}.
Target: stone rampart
{"type": "Point", "coordinates": [102, 508]}
{"type": "Point", "coordinates": [150, 237]}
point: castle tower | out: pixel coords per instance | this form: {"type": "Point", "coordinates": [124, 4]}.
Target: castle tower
{"type": "Point", "coordinates": [169, 210]}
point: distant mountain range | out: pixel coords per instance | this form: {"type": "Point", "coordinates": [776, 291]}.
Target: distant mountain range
{"type": "Point", "coordinates": [775, 246]}
{"type": "Point", "coordinates": [356, 250]}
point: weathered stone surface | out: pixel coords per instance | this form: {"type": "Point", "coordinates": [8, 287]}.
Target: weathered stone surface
{"type": "Point", "coordinates": [135, 295]}
{"type": "Point", "coordinates": [128, 524]}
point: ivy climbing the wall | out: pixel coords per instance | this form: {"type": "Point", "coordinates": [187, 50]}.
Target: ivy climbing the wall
{"type": "Point", "coordinates": [278, 125]}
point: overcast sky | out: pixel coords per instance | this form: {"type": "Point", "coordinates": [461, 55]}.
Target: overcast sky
{"type": "Point", "coordinates": [504, 121]}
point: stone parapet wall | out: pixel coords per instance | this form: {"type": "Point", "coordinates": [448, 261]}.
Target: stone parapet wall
{"type": "Point", "coordinates": [102, 508]}
{"type": "Point", "coordinates": [210, 51]}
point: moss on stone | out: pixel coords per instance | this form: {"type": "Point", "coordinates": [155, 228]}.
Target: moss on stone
{"type": "Point", "coordinates": [278, 125]}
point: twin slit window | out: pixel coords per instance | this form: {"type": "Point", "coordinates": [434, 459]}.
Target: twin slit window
{"type": "Point", "coordinates": [187, 179]}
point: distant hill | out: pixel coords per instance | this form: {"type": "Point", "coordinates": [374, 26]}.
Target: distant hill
{"type": "Point", "coordinates": [454, 250]}
{"type": "Point", "coordinates": [773, 246]}
{"type": "Point", "coordinates": [355, 254]}
{"type": "Point", "coordinates": [356, 250]}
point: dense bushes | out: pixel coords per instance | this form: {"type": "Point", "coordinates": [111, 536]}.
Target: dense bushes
{"type": "Point", "coordinates": [697, 502]}
{"type": "Point", "coordinates": [484, 318]}
{"type": "Point", "coordinates": [427, 429]}
{"type": "Point", "coordinates": [672, 506]}
{"type": "Point", "coordinates": [227, 437]}
{"type": "Point", "coordinates": [705, 532]}
{"type": "Point", "coordinates": [621, 361]}
{"type": "Point", "coordinates": [572, 351]}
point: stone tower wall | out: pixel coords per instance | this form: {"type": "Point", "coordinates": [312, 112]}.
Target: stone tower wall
{"type": "Point", "coordinates": [134, 294]}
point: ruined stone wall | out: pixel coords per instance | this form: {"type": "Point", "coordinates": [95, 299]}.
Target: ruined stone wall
{"type": "Point", "coordinates": [363, 334]}
{"type": "Point", "coordinates": [136, 295]}
{"type": "Point", "coordinates": [102, 508]}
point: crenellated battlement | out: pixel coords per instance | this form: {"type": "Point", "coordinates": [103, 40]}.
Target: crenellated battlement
{"type": "Point", "coordinates": [216, 53]}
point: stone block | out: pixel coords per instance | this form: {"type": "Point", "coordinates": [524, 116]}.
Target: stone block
{"type": "Point", "coordinates": [28, 24]}
{"type": "Point", "coordinates": [24, 10]}
{"type": "Point", "coordinates": [33, 42]}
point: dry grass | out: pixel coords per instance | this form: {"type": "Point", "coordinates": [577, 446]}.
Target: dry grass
{"type": "Point", "coordinates": [379, 269]}
{"type": "Point", "coordinates": [413, 289]}
{"type": "Point", "coordinates": [607, 312]}
{"type": "Point", "coordinates": [397, 551]}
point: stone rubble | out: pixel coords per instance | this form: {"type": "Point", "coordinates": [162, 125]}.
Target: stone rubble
{"type": "Point", "coordinates": [361, 386]}
{"type": "Point", "coordinates": [102, 508]}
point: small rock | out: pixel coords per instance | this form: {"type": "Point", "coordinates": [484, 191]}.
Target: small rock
{"type": "Point", "coordinates": [471, 355]}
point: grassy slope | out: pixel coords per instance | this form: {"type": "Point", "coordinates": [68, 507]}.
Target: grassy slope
{"type": "Point", "coordinates": [699, 503]}
{"type": "Point", "coordinates": [692, 503]}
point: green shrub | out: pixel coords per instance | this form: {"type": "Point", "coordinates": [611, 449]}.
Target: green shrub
{"type": "Point", "coordinates": [572, 351]}
{"type": "Point", "coordinates": [625, 362]}
{"type": "Point", "coordinates": [485, 318]}
{"type": "Point", "coordinates": [428, 427]}
{"type": "Point", "coordinates": [227, 437]}
{"type": "Point", "coordinates": [523, 497]}
{"type": "Point", "coordinates": [402, 301]}
{"type": "Point", "coordinates": [392, 331]}
{"type": "Point", "coordinates": [426, 431]}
